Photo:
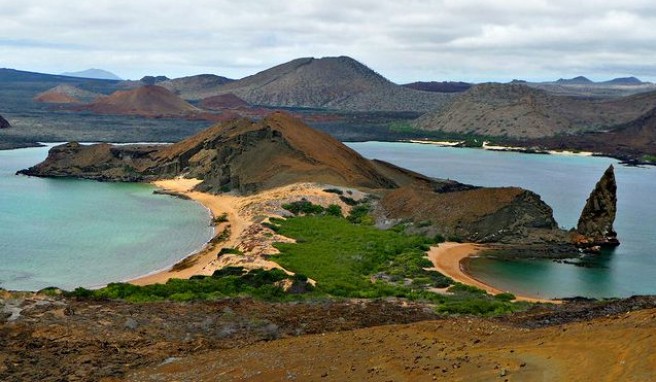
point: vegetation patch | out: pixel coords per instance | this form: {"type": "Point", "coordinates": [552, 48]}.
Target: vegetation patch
{"type": "Point", "coordinates": [227, 282]}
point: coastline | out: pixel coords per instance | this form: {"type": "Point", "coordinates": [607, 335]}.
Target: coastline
{"type": "Point", "coordinates": [241, 229]}
{"type": "Point", "coordinates": [198, 263]}
{"type": "Point", "coordinates": [449, 258]}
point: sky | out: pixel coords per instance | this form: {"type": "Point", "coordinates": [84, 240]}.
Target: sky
{"type": "Point", "coordinates": [405, 41]}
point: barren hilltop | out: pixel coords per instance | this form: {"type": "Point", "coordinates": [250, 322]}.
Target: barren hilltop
{"type": "Point", "coordinates": [148, 100]}
{"type": "Point", "coordinates": [339, 83]}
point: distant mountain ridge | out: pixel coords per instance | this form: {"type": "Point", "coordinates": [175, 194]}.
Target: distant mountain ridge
{"type": "Point", "coordinates": [523, 112]}
{"type": "Point", "coordinates": [98, 74]}
{"type": "Point", "coordinates": [339, 83]}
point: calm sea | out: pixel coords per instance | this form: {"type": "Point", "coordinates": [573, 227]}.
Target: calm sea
{"type": "Point", "coordinates": [564, 182]}
{"type": "Point", "coordinates": [69, 233]}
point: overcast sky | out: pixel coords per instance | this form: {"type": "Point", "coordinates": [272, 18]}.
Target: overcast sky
{"type": "Point", "coordinates": [470, 40]}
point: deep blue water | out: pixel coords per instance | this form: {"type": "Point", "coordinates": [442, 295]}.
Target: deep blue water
{"type": "Point", "coordinates": [69, 233]}
{"type": "Point", "coordinates": [564, 182]}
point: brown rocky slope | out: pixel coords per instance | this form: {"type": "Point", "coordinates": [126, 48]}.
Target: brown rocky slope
{"type": "Point", "coordinates": [46, 338]}
{"type": "Point", "coordinates": [149, 100]}
{"type": "Point", "coordinates": [248, 156]}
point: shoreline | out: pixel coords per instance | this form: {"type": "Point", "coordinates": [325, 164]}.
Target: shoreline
{"type": "Point", "coordinates": [199, 262]}
{"type": "Point", "coordinates": [449, 258]}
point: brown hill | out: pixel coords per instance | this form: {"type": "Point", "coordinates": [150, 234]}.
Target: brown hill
{"type": "Point", "coordinates": [149, 100]}
{"type": "Point", "coordinates": [4, 124]}
{"type": "Point", "coordinates": [340, 83]}
{"type": "Point", "coordinates": [194, 87]}
{"type": "Point", "coordinates": [66, 93]}
{"type": "Point", "coordinates": [519, 111]}
{"type": "Point", "coordinates": [248, 156]}
{"type": "Point", "coordinates": [224, 101]}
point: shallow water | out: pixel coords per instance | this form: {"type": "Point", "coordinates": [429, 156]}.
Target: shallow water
{"type": "Point", "coordinates": [564, 182]}
{"type": "Point", "coordinates": [69, 233]}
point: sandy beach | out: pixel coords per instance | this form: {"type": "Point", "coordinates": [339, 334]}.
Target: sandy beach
{"type": "Point", "coordinates": [246, 233]}
{"type": "Point", "coordinates": [447, 259]}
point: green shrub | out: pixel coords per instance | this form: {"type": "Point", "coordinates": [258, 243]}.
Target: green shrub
{"type": "Point", "coordinates": [468, 289]}
{"type": "Point", "coordinates": [505, 297]}
{"type": "Point", "coordinates": [223, 218]}
{"type": "Point", "coordinates": [229, 250]}
{"type": "Point", "coordinates": [304, 207]}
{"type": "Point", "coordinates": [334, 210]}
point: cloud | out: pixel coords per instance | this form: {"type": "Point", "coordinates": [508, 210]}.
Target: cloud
{"type": "Point", "coordinates": [404, 40]}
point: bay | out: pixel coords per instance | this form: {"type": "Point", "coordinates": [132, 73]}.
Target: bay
{"type": "Point", "coordinates": [564, 182]}
{"type": "Point", "coordinates": [69, 233]}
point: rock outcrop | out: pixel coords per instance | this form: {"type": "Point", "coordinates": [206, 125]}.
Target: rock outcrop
{"type": "Point", "coordinates": [245, 156]}
{"type": "Point", "coordinates": [4, 124]}
{"type": "Point", "coordinates": [595, 226]}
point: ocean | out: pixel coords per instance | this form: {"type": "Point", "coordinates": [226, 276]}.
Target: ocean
{"type": "Point", "coordinates": [564, 182]}
{"type": "Point", "coordinates": [68, 233]}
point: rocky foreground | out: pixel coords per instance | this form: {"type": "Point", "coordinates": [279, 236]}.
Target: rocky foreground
{"type": "Point", "coordinates": [57, 339]}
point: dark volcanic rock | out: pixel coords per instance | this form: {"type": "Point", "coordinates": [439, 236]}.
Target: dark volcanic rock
{"type": "Point", "coordinates": [596, 221]}
{"type": "Point", "coordinates": [3, 123]}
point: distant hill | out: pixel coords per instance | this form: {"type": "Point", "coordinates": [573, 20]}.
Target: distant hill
{"type": "Point", "coordinates": [630, 140]}
{"type": "Point", "coordinates": [98, 74]}
{"type": "Point", "coordinates": [194, 87]}
{"type": "Point", "coordinates": [520, 111]}
{"type": "Point", "coordinates": [624, 81]}
{"type": "Point", "coordinates": [580, 80]}
{"type": "Point", "coordinates": [149, 100]}
{"type": "Point", "coordinates": [223, 101]}
{"type": "Point", "coordinates": [440, 87]}
{"type": "Point", "coordinates": [339, 83]}
{"type": "Point", "coordinates": [66, 93]}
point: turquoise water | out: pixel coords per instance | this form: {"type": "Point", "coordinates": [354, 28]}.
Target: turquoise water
{"type": "Point", "coordinates": [69, 233]}
{"type": "Point", "coordinates": [564, 182]}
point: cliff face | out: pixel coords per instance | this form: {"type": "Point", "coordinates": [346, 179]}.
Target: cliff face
{"type": "Point", "coordinates": [4, 124]}
{"type": "Point", "coordinates": [247, 156]}
{"type": "Point", "coordinates": [596, 222]}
